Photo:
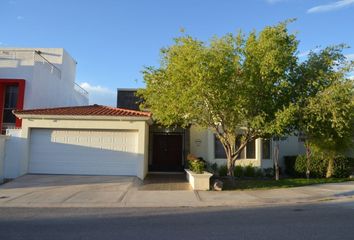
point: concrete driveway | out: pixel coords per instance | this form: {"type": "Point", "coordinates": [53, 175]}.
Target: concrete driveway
{"type": "Point", "coordinates": [70, 190]}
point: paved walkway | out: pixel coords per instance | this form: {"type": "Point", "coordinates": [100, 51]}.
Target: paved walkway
{"type": "Point", "coordinates": [168, 182]}
{"type": "Point", "coordinates": [106, 191]}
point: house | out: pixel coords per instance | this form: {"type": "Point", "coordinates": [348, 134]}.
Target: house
{"type": "Point", "coordinates": [169, 147]}
{"type": "Point", "coordinates": [89, 140]}
{"type": "Point", "coordinates": [36, 78]}
{"type": "Point", "coordinates": [100, 140]}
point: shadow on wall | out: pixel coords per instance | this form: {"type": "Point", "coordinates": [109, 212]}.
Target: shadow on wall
{"type": "Point", "coordinates": [22, 157]}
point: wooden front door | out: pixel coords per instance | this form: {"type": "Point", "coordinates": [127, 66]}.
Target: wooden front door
{"type": "Point", "coordinates": [167, 153]}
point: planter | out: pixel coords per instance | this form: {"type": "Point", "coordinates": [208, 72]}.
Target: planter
{"type": "Point", "coordinates": [199, 181]}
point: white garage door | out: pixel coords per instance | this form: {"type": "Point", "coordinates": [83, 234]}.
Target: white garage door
{"type": "Point", "coordinates": [83, 152]}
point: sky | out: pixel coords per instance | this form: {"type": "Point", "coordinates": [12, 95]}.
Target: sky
{"type": "Point", "coordinates": [113, 40]}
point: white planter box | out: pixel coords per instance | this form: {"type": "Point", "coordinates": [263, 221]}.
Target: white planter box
{"type": "Point", "coordinates": [199, 181]}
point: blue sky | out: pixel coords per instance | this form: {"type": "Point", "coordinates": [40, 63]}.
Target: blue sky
{"type": "Point", "coordinates": [113, 40]}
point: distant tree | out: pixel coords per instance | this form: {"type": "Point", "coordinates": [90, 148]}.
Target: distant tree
{"type": "Point", "coordinates": [238, 86]}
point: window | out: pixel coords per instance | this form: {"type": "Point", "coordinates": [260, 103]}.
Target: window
{"type": "Point", "coordinates": [11, 94]}
{"type": "Point", "coordinates": [219, 151]}
{"type": "Point", "coordinates": [127, 99]}
{"type": "Point", "coordinates": [251, 150]}
{"type": "Point", "coordinates": [266, 148]}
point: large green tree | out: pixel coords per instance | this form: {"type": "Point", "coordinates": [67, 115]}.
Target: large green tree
{"type": "Point", "coordinates": [237, 85]}
{"type": "Point", "coordinates": [329, 119]}
{"type": "Point", "coordinates": [325, 99]}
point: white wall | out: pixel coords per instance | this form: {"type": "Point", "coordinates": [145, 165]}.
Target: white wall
{"type": "Point", "coordinates": [16, 162]}
{"type": "Point", "coordinates": [202, 145]}
{"type": "Point", "coordinates": [46, 86]}
{"type": "Point", "coordinates": [290, 147]}
{"type": "Point", "coordinates": [2, 156]}
{"type": "Point", "coordinates": [15, 149]}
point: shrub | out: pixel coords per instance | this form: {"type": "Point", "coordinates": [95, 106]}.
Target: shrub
{"type": "Point", "coordinates": [342, 167]}
{"type": "Point", "coordinates": [268, 172]}
{"type": "Point", "coordinates": [197, 166]}
{"type": "Point", "coordinates": [213, 168]}
{"type": "Point", "coordinates": [223, 171]}
{"type": "Point", "coordinates": [290, 165]}
{"type": "Point", "coordinates": [250, 171]}
{"type": "Point", "coordinates": [238, 172]}
{"type": "Point", "coordinates": [259, 173]}
{"type": "Point", "coordinates": [318, 166]}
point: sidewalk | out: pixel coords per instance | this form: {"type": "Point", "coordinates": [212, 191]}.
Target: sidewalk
{"type": "Point", "coordinates": [134, 197]}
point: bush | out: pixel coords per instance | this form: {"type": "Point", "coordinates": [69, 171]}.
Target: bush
{"type": "Point", "coordinates": [318, 166]}
{"type": "Point", "coordinates": [238, 172]}
{"type": "Point", "coordinates": [197, 166]}
{"type": "Point", "coordinates": [290, 165]}
{"type": "Point", "coordinates": [223, 171]}
{"type": "Point", "coordinates": [259, 173]}
{"type": "Point", "coordinates": [342, 167]}
{"type": "Point", "coordinates": [250, 171]}
{"type": "Point", "coordinates": [213, 168]}
{"type": "Point", "coordinates": [268, 172]}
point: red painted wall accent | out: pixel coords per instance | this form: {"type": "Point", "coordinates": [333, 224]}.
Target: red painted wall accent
{"type": "Point", "coordinates": [21, 83]}
{"type": "Point", "coordinates": [2, 102]}
{"type": "Point", "coordinates": [20, 100]}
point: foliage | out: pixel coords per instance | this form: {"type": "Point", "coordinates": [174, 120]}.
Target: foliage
{"type": "Point", "coordinates": [268, 172]}
{"type": "Point", "coordinates": [213, 168]}
{"type": "Point", "coordinates": [222, 171]}
{"type": "Point", "coordinates": [247, 86]}
{"type": "Point", "coordinates": [237, 85]}
{"type": "Point", "coordinates": [196, 165]}
{"type": "Point", "coordinates": [318, 166]}
{"type": "Point", "coordinates": [329, 117]}
{"type": "Point", "coordinates": [290, 165]}
{"type": "Point", "coordinates": [259, 173]}
{"type": "Point", "coordinates": [238, 171]}
{"type": "Point", "coordinates": [249, 171]}
{"type": "Point", "coordinates": [343, 167]}
{"type": "Point", "coordinates": [325, 100]}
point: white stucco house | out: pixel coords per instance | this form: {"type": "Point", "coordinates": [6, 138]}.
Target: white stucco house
{"type": "Point", "coordinates": [36, 78]}
{"type": "Point", "coordinates": [100, 140]}
{"type": "Point", "coordinates": [32, 78]}
{"type": "Point", "coordinates": [59, 133]}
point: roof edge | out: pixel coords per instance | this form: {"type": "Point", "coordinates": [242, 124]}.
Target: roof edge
{"type": "Point", "coordinates": [82, 117]}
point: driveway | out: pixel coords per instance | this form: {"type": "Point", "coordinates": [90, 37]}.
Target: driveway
{"type": "Point", "coordinates": [69, 190]}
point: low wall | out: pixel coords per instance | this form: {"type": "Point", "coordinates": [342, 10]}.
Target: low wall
{"type": "Point", "coordinates": [2, 156]}
{"type": "Point", "coordinates": [15, 148]}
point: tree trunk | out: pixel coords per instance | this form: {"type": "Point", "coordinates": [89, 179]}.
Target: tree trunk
{"type": "Point", "coordinates": [330, 167]}
{"type": "Point", "coordinates": [276, 161]}
{"type": "Point", "coordinates": [230, 167]}
{"type": "Point", "coordinates": [308, 153]}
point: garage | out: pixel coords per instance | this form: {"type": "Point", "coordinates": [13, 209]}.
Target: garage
{"type": "Point", "coordinates": [92, 152]}
{"type": "Point", "coordinates": [85, 140]}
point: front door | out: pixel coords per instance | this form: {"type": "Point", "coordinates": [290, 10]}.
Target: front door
{"type": "Point", "coordinates": [167, 153]}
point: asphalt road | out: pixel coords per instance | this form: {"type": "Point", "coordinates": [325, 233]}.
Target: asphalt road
{"type": "Point", "coordinates": [330, 221]}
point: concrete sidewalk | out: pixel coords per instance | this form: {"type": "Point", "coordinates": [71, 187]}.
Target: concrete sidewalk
{"type": "Point", "coordinates": [84, 191]}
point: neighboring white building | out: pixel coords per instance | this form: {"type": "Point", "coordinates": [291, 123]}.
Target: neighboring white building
{"type": "Point", "coordinates": [36, 78]}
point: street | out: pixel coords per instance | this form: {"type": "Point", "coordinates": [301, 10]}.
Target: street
{"type": "Point", "coordinates": [320, 221]}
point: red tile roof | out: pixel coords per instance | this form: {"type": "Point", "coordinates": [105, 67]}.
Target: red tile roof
{"type": "Point", "coordinates": [90, 110]}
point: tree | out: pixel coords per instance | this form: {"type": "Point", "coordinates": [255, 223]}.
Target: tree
{"type": "Point", "coordinates": [236, 85]}
{"type": "Point", "coordinates": [325, 99]}
{"type": "Point", "coordinates": [329, 120]}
